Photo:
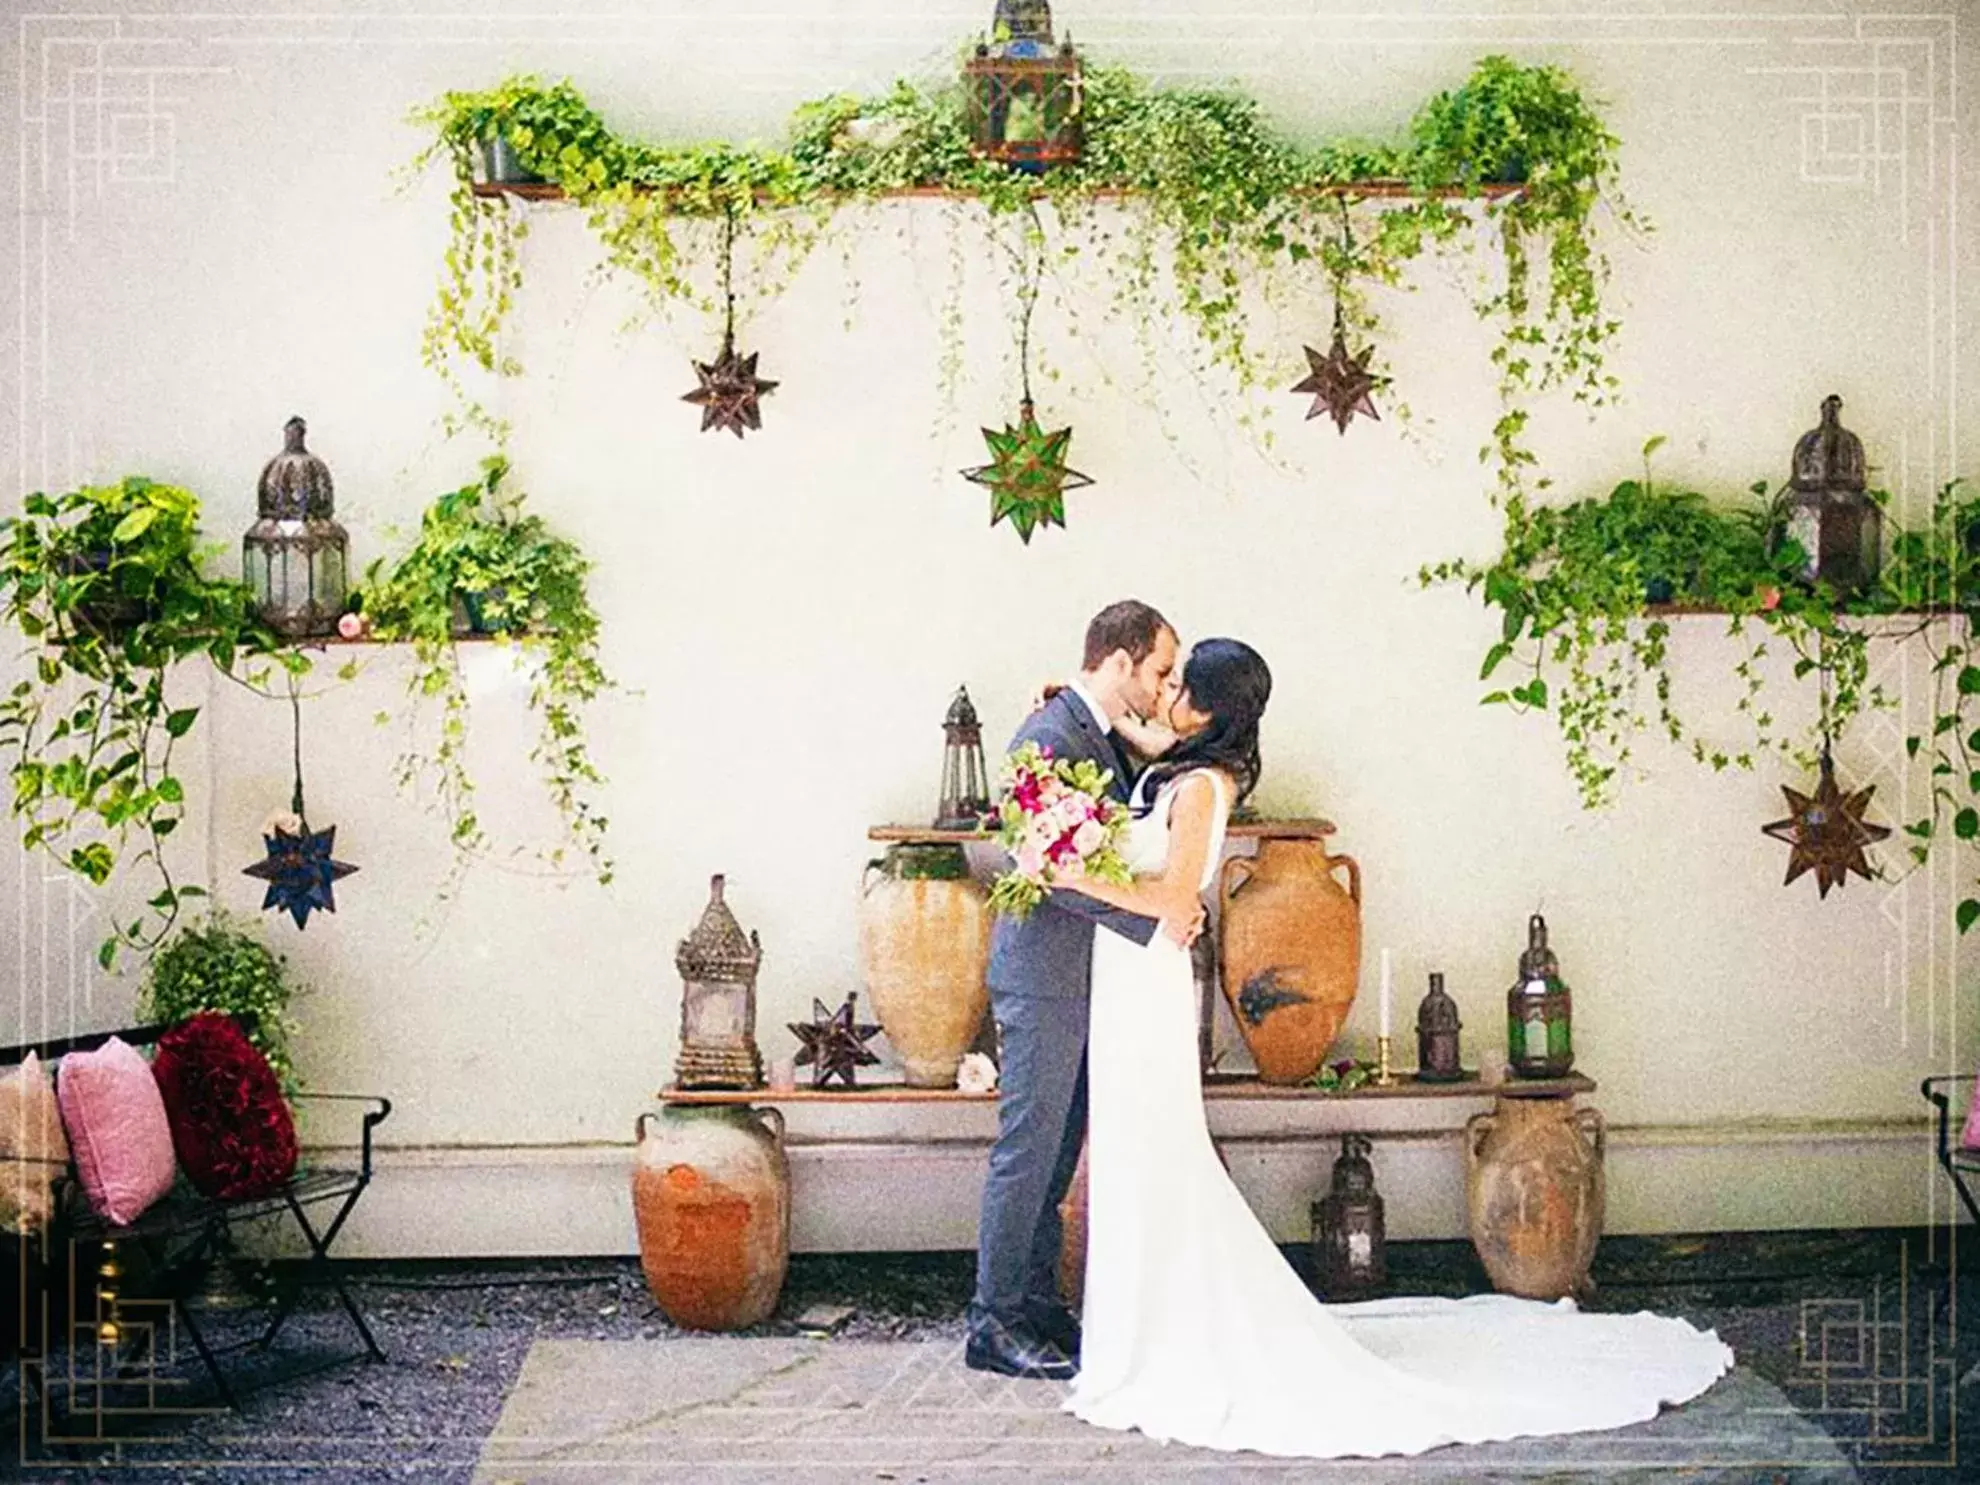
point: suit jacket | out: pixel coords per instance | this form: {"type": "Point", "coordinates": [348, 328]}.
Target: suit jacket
{"type": "Point", "coordinates": [1050, 953]}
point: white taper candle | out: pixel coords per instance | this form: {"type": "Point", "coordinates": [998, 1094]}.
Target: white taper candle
{"type": "Point", "coordinates": [1385, 992]}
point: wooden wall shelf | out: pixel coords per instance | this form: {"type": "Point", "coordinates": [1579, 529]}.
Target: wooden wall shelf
{"type": "Point", "coordinates": [924, 835]}
{"type": "Point", "coordinates": [1214, 1087]}
{"type": "Point", "coordinates": [1369, 189]}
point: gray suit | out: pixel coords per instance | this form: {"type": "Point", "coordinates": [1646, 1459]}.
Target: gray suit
{"type": "Point", "coordinates": [1040, 974]}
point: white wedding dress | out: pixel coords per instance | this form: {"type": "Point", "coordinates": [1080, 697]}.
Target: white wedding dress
{"type": "Point", "coordinates": [1196, 1329]}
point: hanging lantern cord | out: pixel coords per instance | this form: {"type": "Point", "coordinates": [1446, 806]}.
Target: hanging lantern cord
{"type": "Point", "coordinates": [1034, 257]}
{"type": "Point", "coordinates": [295, 711]}
{"type": "Point", "coordinates": [1340, 274]}
{"type": "Point", "coordinates": [728, 280]}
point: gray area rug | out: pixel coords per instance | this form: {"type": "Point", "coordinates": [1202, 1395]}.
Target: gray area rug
{"type": "Point", "coordinates": [731, 1410]}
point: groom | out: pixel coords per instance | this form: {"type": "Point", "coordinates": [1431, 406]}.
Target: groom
{"type": "Point", "coordinates": [1040, 969]}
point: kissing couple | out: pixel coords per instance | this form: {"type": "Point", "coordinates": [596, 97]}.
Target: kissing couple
{"type": "Point", "coordinates": [1194, 1326]}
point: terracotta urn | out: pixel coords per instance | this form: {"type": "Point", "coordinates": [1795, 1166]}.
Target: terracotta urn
{"type": "Point", "coordinates": [1534, 1189]}
{"type": "Point", "coordinates": [924, 949]}
{"type": "Point", "coordinates": [1291, 939]}
{"type": "Point", "coordinates": [712, 1197]}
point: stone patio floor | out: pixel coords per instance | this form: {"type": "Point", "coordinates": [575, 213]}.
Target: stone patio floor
{"type": "Point", "coordinates": [1858, 1359]}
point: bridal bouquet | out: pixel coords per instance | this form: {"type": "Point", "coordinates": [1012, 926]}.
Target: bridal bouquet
{"type": "Point", "coordinates": [1059, 824]}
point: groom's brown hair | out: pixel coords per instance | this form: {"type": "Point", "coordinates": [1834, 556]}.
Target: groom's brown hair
{"type": "Point", "coordinates": [1128, 625]}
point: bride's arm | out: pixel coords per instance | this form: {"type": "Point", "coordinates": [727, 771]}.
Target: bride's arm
{"type": "Point", "coordinates": [1173, 893]}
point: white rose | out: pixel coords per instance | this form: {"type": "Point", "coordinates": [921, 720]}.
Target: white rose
{"type": "Point", "coordinates": [976, 1073]}
{"type": "Point", "coordinates": [1089, 837]}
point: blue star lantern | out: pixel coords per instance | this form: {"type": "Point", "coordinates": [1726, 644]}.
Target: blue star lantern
{"type": "Point", "coordinates": [300, 874]}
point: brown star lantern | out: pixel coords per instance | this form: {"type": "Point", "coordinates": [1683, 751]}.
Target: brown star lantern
{"type": "Point", "coordinates": [1027, 476]}
{"type": "Point", "coordinates": [1340, 382]}
{"type": "Point", "coordinates": [729, 390]}
{"type": "Point", "coordinates": [1827, 831]}
{"type": "Point", "coordinates": [834, 1044]}
{"type": "Point", "coordinates": [729, 386]}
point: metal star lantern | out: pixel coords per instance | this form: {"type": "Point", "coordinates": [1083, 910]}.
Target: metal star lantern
{"type": "Point", "coordinates": [729, 391]}
{"type": "Point", "coordinates": [1827, 831]}
{"type": "Point", "coordinates": [1027, 476]}
{"type": "Point", "coordinates": [1340, 383]}
{"type": "Point", "coordinates": [300, 872]}
{"type": "Point", "coordinates": [834, 1044]}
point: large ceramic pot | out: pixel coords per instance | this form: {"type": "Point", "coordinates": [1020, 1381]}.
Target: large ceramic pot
{"type": "Point", "coordinates": [1534, 1187]}
{"type": "Point", "coordinates": [1291, 937]}
{"type": "Point", "coordinates": [712, 1196]}
{"type": "Point", "coordinates": [924, 948]}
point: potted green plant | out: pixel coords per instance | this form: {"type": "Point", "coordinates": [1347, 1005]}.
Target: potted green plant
{"type": "Point", "coordinates": [221, 965]}
{"type": "Point", "coordinates": [106, 583]}
{"type": "Point", "coordinates": [485, 566]}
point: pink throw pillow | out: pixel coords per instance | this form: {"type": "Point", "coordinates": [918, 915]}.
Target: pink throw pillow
{"type": "Point", "coordinates": [33, 1153]}
{"type": "Point", "coordinates": [117, 1129]}
{"type": "Point", "coordinates": [1971, 1138]}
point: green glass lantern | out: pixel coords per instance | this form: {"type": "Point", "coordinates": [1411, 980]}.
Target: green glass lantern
{"type": "Point", "coordinates": [1023, 93]}
{"type": "Point", "coordinates": [1539, 1011]}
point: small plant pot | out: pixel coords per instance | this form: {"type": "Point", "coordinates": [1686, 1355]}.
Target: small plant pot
{"type": "Point", "coordinates": [500, 165]}
{"type": "Point", "coordinates": [107, 614]}
{"type": "Point", "coordinates": [476, 613]}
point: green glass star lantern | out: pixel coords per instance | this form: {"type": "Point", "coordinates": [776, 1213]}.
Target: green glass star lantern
{"type": "Point", "coordinates": [1027, 474]}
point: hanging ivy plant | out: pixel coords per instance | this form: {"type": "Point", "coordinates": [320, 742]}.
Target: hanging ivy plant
{"type": "Point", "coordinates": [1586, 594]}
{"type": "Point", "coordinates": [107, 585]}
{"type": "Point", "coordinates": [483, 565]}
{"type": "Point", "coordinates": [1216, 203]}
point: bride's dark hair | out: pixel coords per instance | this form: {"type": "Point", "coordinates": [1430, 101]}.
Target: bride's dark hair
{"type": "Point", "coordinates": [1230, 680]}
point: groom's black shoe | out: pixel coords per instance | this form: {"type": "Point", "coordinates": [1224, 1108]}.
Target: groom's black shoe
{"type": "Point", "coordinates": [1057, 1326]}
{"type": "Point", "coordinates": [1015, 1353]}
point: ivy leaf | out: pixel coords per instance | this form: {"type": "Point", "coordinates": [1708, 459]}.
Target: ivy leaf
{"type": "Point", "coordinates": [1969, 910]}
{"type": "Point", "coordinates": [134, 525]}
{"type": "Point", "coordinates": [1969, 680]}
{"type": "Point", "coordinates": [1493, 656]}
{"type": "Point", "coordinates": [179, 723]}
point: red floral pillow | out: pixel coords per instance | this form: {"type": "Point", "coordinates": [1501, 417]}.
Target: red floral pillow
{"type": "Point", "coordinates": [230, 1124]}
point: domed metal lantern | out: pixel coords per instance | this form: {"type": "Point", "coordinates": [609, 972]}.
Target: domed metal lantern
{"type": "Point", "coordinates": [1826, 510]}
{"type": "Point", "coordinates": [1350, 1246]}
{"type": "Point", "coordinates": [1437, 1027]}
{"type": "Point", "coordinates": [965, 783]}
{"type": "Point", "coordinates": [1539, 1011]}
{"type": "Point", "coordinates": [718, 966]}
{"type": "Point", "coordinates": [295, 557]}
{"type": "Point", "coordinates": [1023, 94]}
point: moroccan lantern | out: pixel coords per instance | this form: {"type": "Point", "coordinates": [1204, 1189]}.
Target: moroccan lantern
{"type": "Point", "coordinates": [295, 557]}
{"type": "Point", "coordinates": [1350, 1249]}
{"type": "Point", "coordinates": [1024, 94]}
{"type": "Point", "coordinates": [1826, 510]}
{"type": "Point", "coordinates": [1539, 1011]}
{"type": "Point", "coordinates": [965, 783]}
{"type": "Point", "coordinates": [718, 963]}
{"type": "Point", "coordinates": [1437, 1027]}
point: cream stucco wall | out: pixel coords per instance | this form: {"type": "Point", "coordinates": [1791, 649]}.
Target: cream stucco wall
{"type": "Point", "coordinates": [208, 240]}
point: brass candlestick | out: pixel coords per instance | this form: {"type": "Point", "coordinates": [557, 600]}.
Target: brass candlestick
{"type": "Point", "coordinates": [1384, 1077]}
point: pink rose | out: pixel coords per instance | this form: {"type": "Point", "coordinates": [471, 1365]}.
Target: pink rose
{"type": "Point", "coordinates": [1030, 861]}
{"type": "Point", "coordinates": [351, 626]}
{"type": "Point", "coordinates": [1089, 837]}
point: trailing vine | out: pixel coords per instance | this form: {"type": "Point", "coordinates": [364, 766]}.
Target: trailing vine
{"type": "Point", "coordinates": [1216, 203]}
{"type": "Point", "coordinates": [1586, 594]}
{"type": "Point", "coordinates": [482, 565]}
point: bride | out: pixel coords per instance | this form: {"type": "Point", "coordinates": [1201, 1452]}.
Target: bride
{"type": "Point", "coordinates": [1195, 1328]}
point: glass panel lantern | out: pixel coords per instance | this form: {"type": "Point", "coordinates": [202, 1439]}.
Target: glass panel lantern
{"type": "Point", "coordinates": [295, 558]}
{"type": "Point", "coordinates": [1023, 94]}
{"type": "Point", "coordinates": [1539, 1011]}
{"type": "Point", "coordinates": [1827, 510]}
{"type": "Point", "coordinates": [718, 964]}
{"type": "Point", "coordinates": [965, 784]}
{"type": "Point", "coordinates": [1350, 1244]}
{"type": "Point", "coordinates": [1437, 1028]}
